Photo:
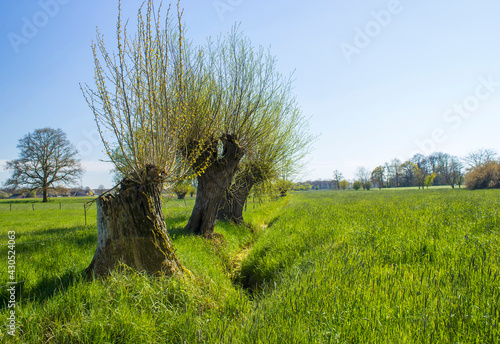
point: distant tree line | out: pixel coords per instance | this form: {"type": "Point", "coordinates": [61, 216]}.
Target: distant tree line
{"type": "Point", "coordinates": [478, 169]}
{"type": "Point", "coordinates": [421, 171]}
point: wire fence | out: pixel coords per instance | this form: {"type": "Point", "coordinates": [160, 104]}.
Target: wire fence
{"type": "Point", "coordinates": [6, 206]}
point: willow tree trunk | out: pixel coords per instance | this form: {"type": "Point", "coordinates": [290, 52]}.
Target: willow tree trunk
{"type": "Point", "coordinates": [232, 205]}
{"type": "Point", "coordinates": [212, 185]}
{"type": "Point", "coordinates": [131, 230]}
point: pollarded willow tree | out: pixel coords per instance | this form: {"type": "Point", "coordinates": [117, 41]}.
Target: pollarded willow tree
{"type": "Point", "coordinates": [141, 113]}
{"type": "Point", "coordinates": [243, 99]}
{"type": "Point", "coordinates": [279, 155]}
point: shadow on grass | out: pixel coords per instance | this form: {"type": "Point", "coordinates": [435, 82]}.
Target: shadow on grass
{"type": "Point", "coordinates": [273, 221]}
{"type": "Point", "coordinates": [46, 288]}
{"type": "Point", "coordinates": [176, 224]}
{"type": "Point", "coordinates": [60, 231]}
{"type": "Point", "coordinates": [178, 231]}
{"type": "Point", "coordinates": [71, 239]}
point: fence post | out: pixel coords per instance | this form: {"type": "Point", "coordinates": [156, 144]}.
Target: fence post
{"type": "Point", "coordinates": [59, 205]}
{"type": "Point", "coordinates": [85, 211]}
{"type": "Point", "coordinates": [33, 206]}
{"type": "Point", "coordinates": [11, 207]}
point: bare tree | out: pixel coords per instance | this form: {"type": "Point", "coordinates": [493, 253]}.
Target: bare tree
{"type": "Point", "coordinates": [362, 174]}
{"type": "Point", "coordinates": [480, 157]}
{"type": "Point", "coordinates": [388, 174]}
{"type": "Point", "coordinates": [395, 172]}
{"type": "Point", "coordinates": [47, 159]}
{"type": "Point", "coordinates": [337, 177]}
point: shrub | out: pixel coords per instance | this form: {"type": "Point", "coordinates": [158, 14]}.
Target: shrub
{"type": "Point", "coordinates": [484, 177]}
{"type": "Point", "coordinates": [181, 190]}
{"type": "Point", "coordinates": [344, 184]}
{"type": "Point", "coordinates": [192, 191]}
{"type": "Point", "coordinates": [367, 185]}
{"type": "Point", "coordinates": [4, 195]}
{"type": "Point", "coordinates": [283, 186]}
{"type": "Point", "coordinates": [357, 185]}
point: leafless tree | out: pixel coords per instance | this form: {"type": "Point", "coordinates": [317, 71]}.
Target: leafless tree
{"type": "Point", "coordinates": [337, 177]}
{"type": "Point", "coordinates": [47, 159]}
{"type": "Point", "coordinates": [480, 157]}
{"type": "Point", "coordinates": [363, 174]}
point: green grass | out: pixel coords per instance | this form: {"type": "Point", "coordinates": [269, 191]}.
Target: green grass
{"type": "Point", "coordinates": [409, 267]}
{"type": "Point", "coordinates": [316, 267]}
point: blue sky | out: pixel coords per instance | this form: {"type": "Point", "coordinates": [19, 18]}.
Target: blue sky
{"type": "Point", "coordinates": [379, 79]}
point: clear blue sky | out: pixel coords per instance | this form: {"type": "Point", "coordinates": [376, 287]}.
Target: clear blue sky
{"type": "Point", "coordinates": [379, 79]}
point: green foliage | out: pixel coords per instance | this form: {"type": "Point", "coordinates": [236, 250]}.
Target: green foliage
{"type": "Point", "coordinates": [142, 115]}
{"type": "Point", "coordinates": [182, 189]}
{"type": "Point", "coordinates": [283, 186]}
{"type": "Point", "coordinates": [192, 191]}
{"type": "Point", "coordinates": [367, 186]}
{"type": "Point", "coordinates": [301, 187]}
{"type": "Point", "coordinates": [429, 180]}
{"type": "Point", "coordinates": [343, 184]}
{"type": "Point", "coordinates": [357, 185]}
{"type": "Point", "coordinates": [4, 195]}
{"type": "Point", "coordinates": [377, 176]}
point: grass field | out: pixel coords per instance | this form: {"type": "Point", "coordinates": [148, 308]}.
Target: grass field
{"type": "Point", "coordinates": [316, 267]}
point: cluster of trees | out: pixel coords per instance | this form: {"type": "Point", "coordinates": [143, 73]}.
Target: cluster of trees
{"type": "Point", "coordinates": [168, 112]}
{"type": "Point", "coordinates": [422, 171]}
{"type": "Point", "coordinates": [478, 169]}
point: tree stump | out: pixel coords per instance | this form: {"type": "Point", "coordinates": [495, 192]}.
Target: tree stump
{"type": "Point", "coordinates": [131, 229]}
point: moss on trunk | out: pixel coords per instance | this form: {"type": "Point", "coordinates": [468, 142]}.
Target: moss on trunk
{"type": "Point", "coordinates": [131, 230]}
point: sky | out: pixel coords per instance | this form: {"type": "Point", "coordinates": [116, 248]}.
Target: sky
{"type": "Point", "coordinates": [378, 79]}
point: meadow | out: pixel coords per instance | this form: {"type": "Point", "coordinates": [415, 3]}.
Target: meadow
{"type": "Point", "coordinates": [413, 266]}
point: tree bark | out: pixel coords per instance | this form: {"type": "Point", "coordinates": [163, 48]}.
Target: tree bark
{"type": "Point", "coordinates": [131, 230]}
{"type": "Point", "coordinates": [45, 192]}
{"type": "Point", "coordinates": [212, 184]}
{"type": "Point", "coordinates": [234, 200]}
